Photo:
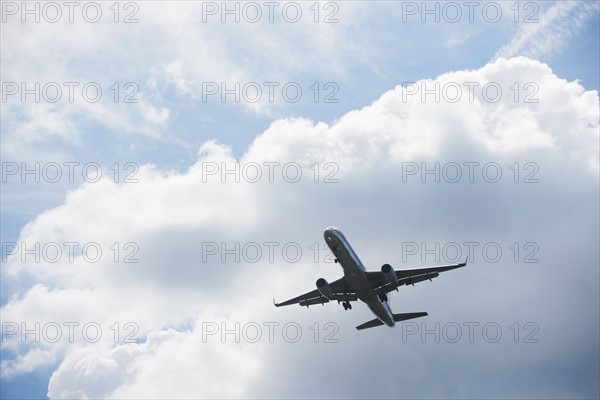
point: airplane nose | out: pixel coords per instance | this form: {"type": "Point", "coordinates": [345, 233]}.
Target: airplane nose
{"type": "Point", "coordinates": [330, 233]}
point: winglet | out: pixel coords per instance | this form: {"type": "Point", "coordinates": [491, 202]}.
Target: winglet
{"type": "Point", "coordinates": [275, 304]}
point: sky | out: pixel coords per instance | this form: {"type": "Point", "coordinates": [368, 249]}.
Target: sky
{"type": "Point", "coordinates": [168, 169]}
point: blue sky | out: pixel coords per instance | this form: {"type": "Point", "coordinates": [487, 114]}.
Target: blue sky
{"type": "Point", "coordinates": [169, 58]}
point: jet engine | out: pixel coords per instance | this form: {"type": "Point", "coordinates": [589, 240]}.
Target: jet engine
{"type": "Point", "coordinates": [389, 273]}
{"type": "Point", "coordinates": [324, 288]}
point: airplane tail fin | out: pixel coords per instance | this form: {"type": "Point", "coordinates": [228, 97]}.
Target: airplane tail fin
{"type": "Point", "coordinates": [397, 318]}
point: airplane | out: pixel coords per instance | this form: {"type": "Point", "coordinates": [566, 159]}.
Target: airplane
{"type": "Point", "coordinates": [371, 287]}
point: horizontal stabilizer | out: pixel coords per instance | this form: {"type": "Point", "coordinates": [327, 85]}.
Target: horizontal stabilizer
{"type": "Point", "coordinates": [410, 315]}
{"type": "Point", "coordinates": [372, 323]}
{"type": "Point", "coordinates": [397, 318]}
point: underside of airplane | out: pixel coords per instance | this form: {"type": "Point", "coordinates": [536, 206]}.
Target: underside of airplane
{"type": "Point", "coordinates": [371, 287]}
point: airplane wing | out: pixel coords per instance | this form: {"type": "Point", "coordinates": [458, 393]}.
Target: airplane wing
{"type": "Point", "coordinates": [340, 291]}
{"type": "Point", "coordinates": [381, 283]}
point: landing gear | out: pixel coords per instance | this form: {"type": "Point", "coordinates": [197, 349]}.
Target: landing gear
{"type": "Point", "coordinates": [347, 305]}
{"type": "Point", "coordinates": [335, 260]}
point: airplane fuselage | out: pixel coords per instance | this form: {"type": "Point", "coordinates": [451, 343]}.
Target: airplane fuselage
{"type": "Point", "coordinates": [355, 275]}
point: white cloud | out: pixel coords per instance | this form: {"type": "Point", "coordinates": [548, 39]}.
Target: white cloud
{"type": "Point", "coordinates": [551, 31]}
{"type": "Point", "coordinates": [28, 362]}
{"type": "Point", "coordinates": [123, 372]}
{"type": "Point", "coordinates": [185, 52]}
{"type": "Point", "coordinates": [169, 214]}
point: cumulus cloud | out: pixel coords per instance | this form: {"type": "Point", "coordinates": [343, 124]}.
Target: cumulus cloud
{"type": "Point", "coordinates": [173, 291]}
{"type": "Point", "coordinates": [123, 372]}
